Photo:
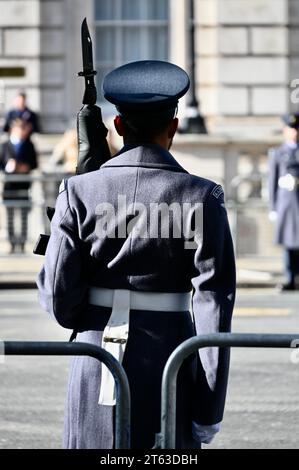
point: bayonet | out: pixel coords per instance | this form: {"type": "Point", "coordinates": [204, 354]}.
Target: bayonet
{"type": "Point", "coordinates": [90, 94]}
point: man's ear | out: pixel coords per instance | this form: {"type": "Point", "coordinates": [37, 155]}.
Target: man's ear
{"type": "Point", "coordinates": [118, 126]}
{"type": "Point", "coordinates": [173, 126]}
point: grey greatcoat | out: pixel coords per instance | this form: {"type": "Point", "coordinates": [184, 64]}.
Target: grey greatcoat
{"type": "Point", "coordinates": [77, 258]}
{"type": "Point", "coordinates": [284, 160]}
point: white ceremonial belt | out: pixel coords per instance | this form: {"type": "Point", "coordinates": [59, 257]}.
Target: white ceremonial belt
{"type": "Point", "coordinates": [288, 182]}
{"type": "Point", "coordinates": [116, 332]}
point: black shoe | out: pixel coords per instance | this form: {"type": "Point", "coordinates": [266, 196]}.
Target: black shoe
{"type": "Point", "coordinates": [12, 249]}
{"type": "Point", "coordinates": [22, 247]}
{"type": "Point", "coordinates": [286, 287]}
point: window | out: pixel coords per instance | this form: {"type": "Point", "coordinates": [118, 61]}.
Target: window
{"type": "Point", "coordinates": [129, 30]}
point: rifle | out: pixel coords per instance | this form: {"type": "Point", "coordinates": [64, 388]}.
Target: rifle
{"type": "Point", "coordinates": [93, 148]}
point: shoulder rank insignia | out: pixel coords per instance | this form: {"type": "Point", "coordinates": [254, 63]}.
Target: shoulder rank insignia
{"type": "Point", "coordinates": [217, 191]}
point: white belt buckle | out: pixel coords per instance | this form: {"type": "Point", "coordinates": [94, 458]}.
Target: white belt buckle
{"type": "Point", "coordinates": [287, 182]}
{"type": "Point", "coordinates": [109, 339]}
{"type": "Point", "coordinates": [114, 341]}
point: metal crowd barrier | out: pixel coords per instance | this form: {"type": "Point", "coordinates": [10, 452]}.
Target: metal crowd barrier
{"type": "Point", "coordinates": [35, 176]}
{"type": "Point", "coordinates": [123, 400]}
{"type": "Point", "coordinates": [166, 438]}
{"type": "Point", "coordinates": [44, 188]}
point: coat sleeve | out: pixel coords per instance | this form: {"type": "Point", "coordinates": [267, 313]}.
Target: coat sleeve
{"type": "Point", "coordinates": [214, 288]}
{"type": "Point", "coordinates": [2, 157]}
{"type": "Point", "coordinates": [33, 156]}
{"type": "Point", "coordinates": [61, 284]}
{"type": "Point", "coordinates": [7, 122]}
{"type": "Point", "coordinates": [28, 155]}
{"type": "Point", "coordinates": [34, 119]}
{"type": "Point", "coordinates": [273, 178]}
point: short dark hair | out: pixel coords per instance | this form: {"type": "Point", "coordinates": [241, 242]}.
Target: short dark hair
{"type": "Point", "coordinates": [147, 125]}
{"type": "Point", "coordinates": [22, 94]}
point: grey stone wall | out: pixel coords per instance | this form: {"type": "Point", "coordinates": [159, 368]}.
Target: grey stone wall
{"type": "Point", "coordinates": [61, 90]}
{"type": "Point", "coordinates": [20, 46]}
{"type": "Point", "coordinates": [247, 54]}
{"type": "Point", "coordinates": [52, 65]}
{"type": "Point", "coordinates": [43, 36]}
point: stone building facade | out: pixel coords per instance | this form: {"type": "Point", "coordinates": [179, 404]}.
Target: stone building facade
{"type": "Point", "coordinates": [247, 54]}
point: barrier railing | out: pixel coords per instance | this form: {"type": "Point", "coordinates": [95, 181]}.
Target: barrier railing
{"type": "Point", "coordinates": [123, 403]}
{"type": "Point", "coordinates": [44, 191]}
{"type": "Point", "coordinates": [166, 438]}
{"type": "Point", "coordinates": [44, 188]}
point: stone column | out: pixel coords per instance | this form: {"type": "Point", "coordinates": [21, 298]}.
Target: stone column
{"type": "Point", "coordinates": [61, 60]}
{"type": "Point", "coordinates": [53, 53]}
{"type": "Point", "coordinates": [178, 39]}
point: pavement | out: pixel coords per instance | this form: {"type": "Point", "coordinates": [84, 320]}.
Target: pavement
{"type": "Point", "coordinates": [19, 270]}
{"type": "Point", "coordinates": [262, 409]}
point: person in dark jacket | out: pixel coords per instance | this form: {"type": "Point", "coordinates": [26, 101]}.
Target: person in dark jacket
{"type": "Point", "coordinates": [20, 110]}
{"type": "Point", "coordinates": [284, 197]}
{"type": "Point", "coordinates": [129, 245]}
{"type": "Point", "coordinates": [17, 157]}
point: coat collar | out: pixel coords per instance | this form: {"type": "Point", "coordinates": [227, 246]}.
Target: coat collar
{"type": "Point", "coordinates": [290, 145]}
{"type": "Point", "coordinates": [146, 156]}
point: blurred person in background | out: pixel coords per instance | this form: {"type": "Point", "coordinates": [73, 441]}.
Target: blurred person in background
{"type": "Point", "coordinates": [17, 156]}
{"type": "Point", "coordinates": [20, 110]}
{"type": "Point", "coordinates": [62, 163]}
{"type": "Point", "coordinates": [65, 153]}
{"type": "Point", "coordinates": [284, 197]}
